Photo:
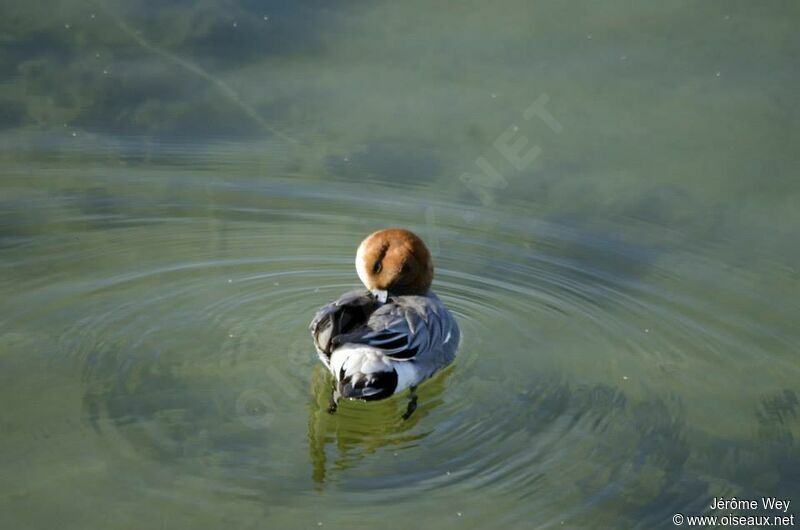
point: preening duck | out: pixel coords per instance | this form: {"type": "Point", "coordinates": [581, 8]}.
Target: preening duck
{"type": "Point", "coordinates": [393, 335]}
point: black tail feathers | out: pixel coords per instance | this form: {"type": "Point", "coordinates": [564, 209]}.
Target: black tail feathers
{"type": "Point", "coordinates": [369, 387]}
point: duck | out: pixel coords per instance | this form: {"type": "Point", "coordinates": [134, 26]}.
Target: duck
{"type": "Point", "coordinates": [393, 334]}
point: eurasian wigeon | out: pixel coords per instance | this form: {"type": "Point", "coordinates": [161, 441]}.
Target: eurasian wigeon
{"type": "Point", "coordinates": [392, 336]}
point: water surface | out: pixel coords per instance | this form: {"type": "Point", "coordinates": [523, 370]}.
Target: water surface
{"type": "Point", "coordinates": [182, 185]}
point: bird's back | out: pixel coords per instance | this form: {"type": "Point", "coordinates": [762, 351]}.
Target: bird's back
{"type": "Point", "coordinates": [412, 335]}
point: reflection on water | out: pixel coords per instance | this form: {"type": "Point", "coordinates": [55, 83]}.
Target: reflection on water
{"type": "Point", "coordinates": [358, 429]}
{"type": "Point", "coordinates": [183, 185]}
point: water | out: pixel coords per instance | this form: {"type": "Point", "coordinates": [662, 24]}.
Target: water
{"type": "Point", "coordinates": [183, 185]}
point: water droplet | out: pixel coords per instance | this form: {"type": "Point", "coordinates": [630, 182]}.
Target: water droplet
{"type": "Point", "coordinates": [97, 55]}
{"type": "Point", "coordinates": [92, 15]}
{"type": "Point", "coordinates": [230, 335]}
{"type": "Point", "coordinates": [266, 17]}
{"type": "Point", "coordinates": [319, 523]}
{"type": "Point", "coordinates": [74, 134]}
{"type": "Point", "coordinates": [718, 73]}
{"type": "Point", "coordinates": [458, 514]}
{"type": "Point", "coordinates": [105, 72]}
{"type": "Point", "coordinates": [230, 280]}
{"type": "Point", "coordinates": [276, 283]}
{"type": "Point", "coordinates": [623, 57]}
{"type": "Point", "coordinates": [515, 128]}
{"type": "Point", "coordinates": [66, 26]}
{"type": "Point", "coordinates": [588, 37]}
{"type": "Point", "coordinates": [234, 24]}
{"type": "Point", "coordinates": [625, 377]}
{"type": "Point", "coordinates": [494, 95]}
{"type": "Point", "coordinates": [647, 330]}
{"type": "Point", "coordinates": [346, 159]}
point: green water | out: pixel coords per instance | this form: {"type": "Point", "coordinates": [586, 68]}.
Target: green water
{"type": "Point", "coordinates": [610, 191]}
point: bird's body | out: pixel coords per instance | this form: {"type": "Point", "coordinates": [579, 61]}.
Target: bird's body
{"type": "Point", "coordinates": [376, 349]}
{"type": "Point", "coordinates": [394, 334]}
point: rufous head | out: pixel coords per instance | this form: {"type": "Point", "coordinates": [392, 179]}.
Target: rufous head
{"type": "Point", "coordinates": [394, 261]}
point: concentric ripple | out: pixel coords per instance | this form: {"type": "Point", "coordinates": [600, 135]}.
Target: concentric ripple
{"type": "Point", "coordinates": [584, 387]}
